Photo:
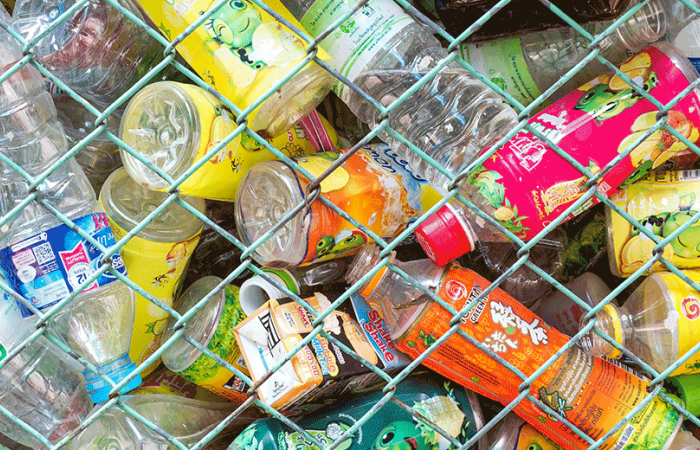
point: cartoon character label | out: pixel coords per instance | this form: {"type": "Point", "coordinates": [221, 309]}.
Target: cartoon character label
{"type": "Point", "coordinates": [157, 267]}
{"type": "Point", "coordinates": [529, 185]}
{"type": "Point", "coordinates": [687, 304]}
{"type": "Point", "coordinates": [239, 49]}
{"type": "Point", "coordinates": [209, 374]}
{"type": "Point", "coordinates": [661, 202]}
{"type": "Point", "coordinates": [590, 392]}
{"type": "Point", "coordinates": [49, 266]}
{"type": "Point", "coordinates": [530, 439]}
{"type": "Point", "coordinates": [320, 370]}
{"type": "Point", "coordinates": [360, 38]}
{"type": "Point", "coordinates": [442, 403]}
{"type": "Point", "coordinates": [374, 186]}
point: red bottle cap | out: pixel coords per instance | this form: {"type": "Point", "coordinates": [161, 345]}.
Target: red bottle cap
{"type": "Point", "coordinates": [444, 236]}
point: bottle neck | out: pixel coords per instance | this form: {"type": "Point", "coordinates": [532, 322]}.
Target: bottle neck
{"type": "Point", "coordinates": [645, 26]}
{"type": "Point", "coordinates": [614, 321]}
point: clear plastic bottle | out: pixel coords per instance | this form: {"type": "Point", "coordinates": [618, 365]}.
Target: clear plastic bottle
{"type": "Point", "coordinates": [385, 52]}
{"type": "Point", "coordinates": [100, 156]}
{"type": "Point", "coordinates": [527, 65]}
{"type": "Point", "coordinates": [525, 185]}
{"type": "Point", "coordinates": [684, 29]}
{"type": "Point", "coordinates": [39, 387]}
{"type": "Point", "coordinates": [656, 323]}
{"type": "Point", "coordinates": [184, 419]}
{"type": "Point", "coordinates": [43, 259]}
{"type": "Point", "coordinates": [98, 52]}
{"type": "Point", "coordinates": [156, 257]}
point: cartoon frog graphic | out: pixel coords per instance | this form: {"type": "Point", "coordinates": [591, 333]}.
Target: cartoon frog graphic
{"type": "Point", "coordinates": [603, 102]}
{"type": "Point", "coordinates": [687, 244]}
{"type": "Point", "coordinates": [343, 242]}
{"type": "Point", "coordinates": [233, 26]}
{"type": "Point", "coordinates": [401, 435]}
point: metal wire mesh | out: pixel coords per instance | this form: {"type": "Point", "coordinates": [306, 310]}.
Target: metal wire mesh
{"type": "Point", "coordinates": [246, 262]}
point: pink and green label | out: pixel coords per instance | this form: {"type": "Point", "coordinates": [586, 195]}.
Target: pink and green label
{"type": "Point", "coordinates": [593, 124]}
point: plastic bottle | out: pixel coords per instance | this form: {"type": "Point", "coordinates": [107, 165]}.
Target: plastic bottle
{"type": "Point", "coordinates": [42, 389]}
{"type": "Point", "coordinates": [173, 125]}
{"type": "Point", "coordinates": [562, 313]}
{"type": "Point", "coordinates": [156, 257]}
{"type": "Point", "coordinates": [100, 157]}
{"type": "Point", "coordinates": [98, 52]}
{"type": "Point", "coordinates": [374, 186]}
{"type": "Point", "coordinates": [182, 418]}
{"type": "Point", "coordinates": [43, 259]}
{"type": "Point", "coordinates": [527, 65]}
{"type": "Point", "coordinates": [656, 323]}
{"type": "Point", "coordinates": [301, 281]}
{"type": "Point", "coordinates": [516, 434]}
{"type": "Point", "coordinates": [521, 17]}
{"type": "Point", "coordinates": [684, 29]}
{"type": "Point", "coordinates": [383, 51]}
{"type": "Point", "coordinates": [573, 385]}
{"type": "Point", "coordinates": [451, 408]}
{"type": "Point", "coordinates": [526, 185]}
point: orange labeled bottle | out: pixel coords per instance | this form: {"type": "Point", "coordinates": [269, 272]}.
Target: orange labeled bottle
{"type": "Point", "coordinates": [591, 393]}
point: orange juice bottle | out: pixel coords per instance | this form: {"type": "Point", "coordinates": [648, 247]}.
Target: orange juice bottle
{"type": "Point", "coordinates": [591, 393]}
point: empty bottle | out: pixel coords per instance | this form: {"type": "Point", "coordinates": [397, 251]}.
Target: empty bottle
{"type": "Point", "coordinates": [527, 65]}
{"type": "Point", "coordinates": [156, 257]}
{"type": "Point", "coordinates": [525, 186]}
{"type": "Point", "coordinates": [100, 156]}
{"type": "Point", "coordinates": [383, 51]}
{"type": "Point", "coordinates": [684, 29]}
{"type": "Point", "coordinates": [38, 386]}
{"type": "Point", "coordinates": [184, 419]}
{"type": "Point", "coordinates": [45, 260]}
{"type": "Point", "coordinates": [656, 323]}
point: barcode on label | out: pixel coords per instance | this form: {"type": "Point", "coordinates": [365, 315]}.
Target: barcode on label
{"type": "Point", "coordinates": [627, 368]}
{"type": "Point", "coordinates": [44, 253]}
{"type": "Point", "coordinates": [624, 437]}
{"type": "Point", "coordinates": [687, 175]}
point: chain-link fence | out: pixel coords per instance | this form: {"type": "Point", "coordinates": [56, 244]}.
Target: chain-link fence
{"type": "Point", "coordinates": [247, 265]}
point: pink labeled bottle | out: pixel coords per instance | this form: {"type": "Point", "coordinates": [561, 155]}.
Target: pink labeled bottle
{"type": "Point", "coordinates": [526, 185]}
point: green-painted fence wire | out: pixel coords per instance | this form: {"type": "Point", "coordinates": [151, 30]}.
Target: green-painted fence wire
{"type": "Point", "coordinates": [246, 264]}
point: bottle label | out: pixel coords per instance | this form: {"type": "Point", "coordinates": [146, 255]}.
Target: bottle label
{"type": "Point", "coordinates": [239, 49]}
{"type": "Point", "coordinates": [686, 301]}
{"type": "Point", "coordinates": [157, 267]}
{"type": "Point", "coordinates": [360, 38]}
{"type": "Point", "coordinates": [662, 202]}
{"type": "Point", "coordinates": [529, 185]}
{"type": "Point", "coordinates": [443, 403]}
{"type": "Point", "coordinates": [49, 266]}
{"type": "Point", "coordinates": [116, 371]}
{"type": "Point", "coordinates": [375, 187]}
{"type": "Point", "coordinates": [164, 381]}
{"type": "Point", "coordinates": [504, 64]}
{"type": "Point", "coordinates": [209, 374]}
{"type": "Point", "coordinates": [528, 438]}
{"type": "Point", "coordinates": [590, 392]}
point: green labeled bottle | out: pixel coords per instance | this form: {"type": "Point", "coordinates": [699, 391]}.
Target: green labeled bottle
{"type": "Point", "coordinates": [443, 403]}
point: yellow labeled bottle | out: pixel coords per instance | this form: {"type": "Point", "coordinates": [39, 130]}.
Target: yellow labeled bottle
{"type": "Point", "coordinates": [157, 256]}
{"type": "Point", "coordinates": [242, 51]}
{"type": "Point", "coordinates": [658, 323]}
{"type": "Point", "coordinates": [174, 125]}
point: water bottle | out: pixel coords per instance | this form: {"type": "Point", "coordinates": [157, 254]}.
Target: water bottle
{"type": "Point", "coordinates": [573, 385]}
{"type": "Point", "coordinates": [527, 65]}
{"type": "Point", "coordinates": [684, 29]}
{"type": "Point", "coordinates": [100, 156]}
{"type": "Point", "coordinates": [184, 419]}
{"type": "Point", "coordinates": [385, 52]}
{"type": "Point", "coordinates": [656, 323]}
{"type": "Point", "coordinates": [98, 52]}
{"type": "Point", "coordinates": [41, 388]}
{"type": "Point", "coordinates": [525, 186]}
{"type": "Point", "coordinates": [156, 258]}
{"type": "Point", "coordinates": [43, 259]}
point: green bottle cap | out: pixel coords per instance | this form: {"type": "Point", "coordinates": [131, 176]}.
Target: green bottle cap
{"type": "Point", "coordinates": [688, 387]}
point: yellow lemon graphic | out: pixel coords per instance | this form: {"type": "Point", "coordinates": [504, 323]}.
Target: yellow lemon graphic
{"type": "Point", "coordinates": [650, 203]}
{"type": "Point", "coordinates": [645, 121]}
{"type": "Point", "coordinates": [637, 251]}
{"type": "Point", "coordinates": [504, 213]}
{"type": "Point", "coordinates": [221, 128]}
{"type": "Point", "coordinates": [317, 165]}
{"type": "Point", "coordinates": [640, 61]}
{"type": "Point", "coordinates": [275, 46]}
{"type": "Point", "coordinates": [236, 71]}
{"type": "Point", "coordinates": [638, 76]}
{"type": "Point", "coordinates": [643, 151]}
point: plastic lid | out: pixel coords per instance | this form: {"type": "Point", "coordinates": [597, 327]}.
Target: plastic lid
{"type": "Point", "coordinates": [688, 387]}
{"type": "Point", "coordinates": [200, 327]}
{"type": "Point", "coordinates": [444, 236]}
{"type": "Point", "coordinates": [127, 203]}
{"type": "Point", "coordinates": [162, 123]}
